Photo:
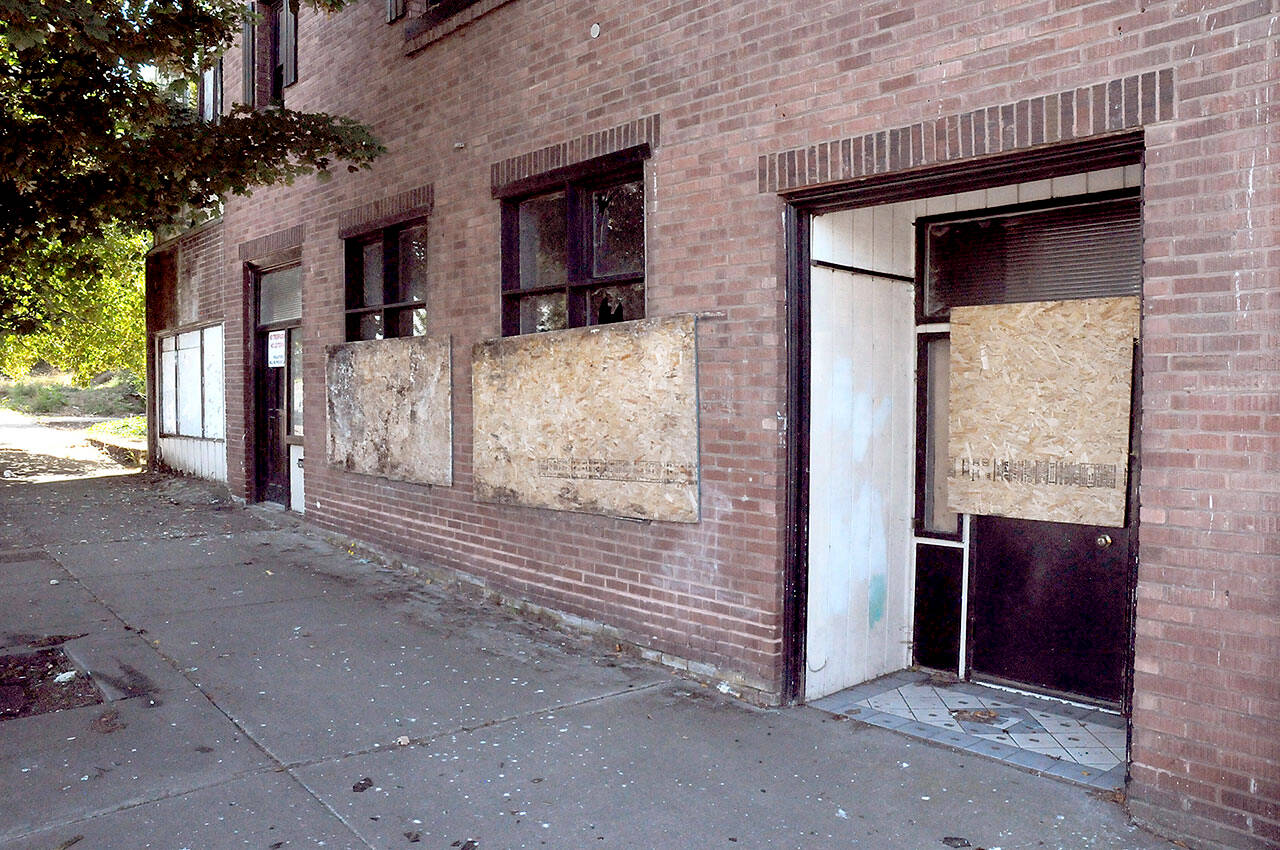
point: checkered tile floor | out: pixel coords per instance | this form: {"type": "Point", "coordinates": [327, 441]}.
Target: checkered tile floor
{"type": "Point", "coordinates": [1077, 743]}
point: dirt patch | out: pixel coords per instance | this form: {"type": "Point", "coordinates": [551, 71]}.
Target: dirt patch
{"type": "Point", "coordinates": [40, 682]}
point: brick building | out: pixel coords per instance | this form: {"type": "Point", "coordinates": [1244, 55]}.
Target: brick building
{"type": "Point", "coordinates": [877, 336]}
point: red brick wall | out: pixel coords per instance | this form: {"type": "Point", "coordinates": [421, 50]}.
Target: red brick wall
{"type": "Point", "coordinates": [1207, 693]}
{"type": "Point", "coordinates": [734, 82]}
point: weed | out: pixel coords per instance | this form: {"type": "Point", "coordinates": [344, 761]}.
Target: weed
{"type": "Point", "coordinates": [49, 399]}
{"type": "Point", "coordinates": [133, 427]}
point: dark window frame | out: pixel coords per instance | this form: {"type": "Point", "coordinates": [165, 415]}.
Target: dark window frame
{"type": "Point", "coordinates": [577, 183]}
{"type": "Point", "coordinates": [249, 56]}
{"type": "Point", "coordinates": [429, 13]}
{"type": "Point", "coordinates": [274, 49]}
{"type": "Point", "coordinates": [1109, 205]}
{"type": "Point", "coordinates": [281, 18]}
{"type": "Point", "coordinates": [397, 308]}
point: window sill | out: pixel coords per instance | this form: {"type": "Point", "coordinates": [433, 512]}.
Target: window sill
{"type": "Point", "coordinates": [163, 436]}
{"type": "Point", "coordinates": [420, 32]}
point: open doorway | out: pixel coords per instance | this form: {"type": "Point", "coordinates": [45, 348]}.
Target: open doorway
{"type": "Point", "coordinates": [912, 558]}
{"type": "Point", "coordinates": [278, 384]}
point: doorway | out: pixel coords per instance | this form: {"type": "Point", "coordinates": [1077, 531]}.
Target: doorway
{"type": "Point", "coordinates": [278, 382]}
{"type": "Point", "coordinates": [1039, 602]}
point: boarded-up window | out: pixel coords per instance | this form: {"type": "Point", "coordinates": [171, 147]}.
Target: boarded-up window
{"type": "Point", "coordinates": [190, 383]}
{"type": "Point", "coordinates": [1039, 411]}
{"type": "Point", "coordinates": [211, 367]}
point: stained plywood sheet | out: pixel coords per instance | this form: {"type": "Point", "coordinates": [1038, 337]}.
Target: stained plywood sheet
{"type": "Point", "coordinates": [1039, 409]}
{"type": "Point", "coordinates": [390, 408]}
{"type": "Point", "coordinates": [600, 420]}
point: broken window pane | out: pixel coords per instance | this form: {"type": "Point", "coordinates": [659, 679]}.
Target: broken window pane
{"type": "Point", "coordinates": [543, 313]}
{"type": "Point", "coordinates": [618, 229]}
{"type": "Point", "coordinates": [371, 326]}
{"type": "Point", "coordinates": [615, 304]}
{"type": "Point", "coordinates": [543, 242]}
{"type": "Point", "coordinates": [413, 263]}
{"type": "Point", "coordinates": [371, 271]}
{"type": "Point", "coordinates": [407, 321]}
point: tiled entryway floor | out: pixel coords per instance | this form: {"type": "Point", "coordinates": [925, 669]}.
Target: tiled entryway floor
{"type": "Point", "coordinates": [1077, 743]}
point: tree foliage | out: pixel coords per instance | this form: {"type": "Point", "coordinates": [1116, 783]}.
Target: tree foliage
{"type": "Point", "coordinates": [96, 315]}
{"type": "Point", "coordinates": [93, 138]}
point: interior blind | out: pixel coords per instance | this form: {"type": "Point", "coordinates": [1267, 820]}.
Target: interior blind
{"type": "Point", "coordinates": [1081, 251]}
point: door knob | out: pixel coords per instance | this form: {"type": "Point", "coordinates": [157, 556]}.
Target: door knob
{"type": "Point", "coordinates": [1103, 541]}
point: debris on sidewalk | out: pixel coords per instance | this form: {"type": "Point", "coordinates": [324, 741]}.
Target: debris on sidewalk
{"type": "Point", "coordinates": [107, 722]}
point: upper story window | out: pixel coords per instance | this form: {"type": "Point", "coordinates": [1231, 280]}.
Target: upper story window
{"type": "Point", "coordinates": [209, 94]}
{"type": "Point", "coordinates": [573, 253]}
{"type": "Point", "coordinates": [387, 282]}
{"type": "Point", "coordinates": [270, 45]}
{"type": "Point", "coordinates": [395, 10]}
{"type": "Point", "coordinates": [428, 13]}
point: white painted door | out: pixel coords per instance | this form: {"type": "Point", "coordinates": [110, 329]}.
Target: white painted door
{"type": "Point", "coordinates": [861, 478]}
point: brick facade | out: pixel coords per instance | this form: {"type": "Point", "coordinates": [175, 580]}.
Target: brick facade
{"type": "Point", "coordinates": [755, 102]}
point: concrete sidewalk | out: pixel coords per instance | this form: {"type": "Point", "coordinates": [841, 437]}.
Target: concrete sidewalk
{"type": "Point", "coordinates": [267, 689]}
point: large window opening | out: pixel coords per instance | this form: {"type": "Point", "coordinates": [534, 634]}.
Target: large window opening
{"type": "Point", "coordinates": [387, 283]}
{"type": "Point", "coordinates": [190, 383]}
{"type": "Point", "coordinates": [574, 253]}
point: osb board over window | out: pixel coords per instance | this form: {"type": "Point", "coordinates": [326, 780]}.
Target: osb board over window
{"type": "Point", "coordinates": [600, 420]}
{"type": "Point", "coordinates": [390, 405]}
{"type": "Point", "coordinates": [1039, 409]}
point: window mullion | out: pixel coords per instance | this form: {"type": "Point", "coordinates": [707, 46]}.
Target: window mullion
{"type": "Point", "coordinates": [578, 240]}
{"type": "Point", "coordinates": [391, 287]}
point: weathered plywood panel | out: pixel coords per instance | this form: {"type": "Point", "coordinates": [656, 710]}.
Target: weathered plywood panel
{"type": "Point", "coordinates": [599, 420]}
{"type": "Point", "coordinates": [1039, 409]}
{"type": "Point", "coordinates": [390, 406]}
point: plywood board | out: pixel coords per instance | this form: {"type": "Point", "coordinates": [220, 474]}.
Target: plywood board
{"type": "Point", "coordinates": [390, 408]}
{"type": "Point", "coordinates": [1039, 409]}
{"type": "Point", "coordinates": [600, 420]}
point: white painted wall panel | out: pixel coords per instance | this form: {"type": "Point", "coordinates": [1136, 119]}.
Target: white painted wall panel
{"type": "Point", "coordinates": [168, 391]}
{"type": "Point", "coordinates": [297, 491]}
{"type": "Point", "coordinates": [831, 238]}
{"type": "Point", "coordinates": [190, 401]}
{"type": "Point", "coordinates": [214, 412]}
{"type": "Point", "coordinates": [201, 458]}
{"type": "Point", "coordinates": [861, 479]}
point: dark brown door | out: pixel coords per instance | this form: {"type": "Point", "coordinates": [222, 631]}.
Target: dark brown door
{"type": "Point", "coordinates": [272, 461]}
{"type": "Point", "coordinates": [1049, 605]}
{"type": "Point", "coordinates": [279, 314]}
